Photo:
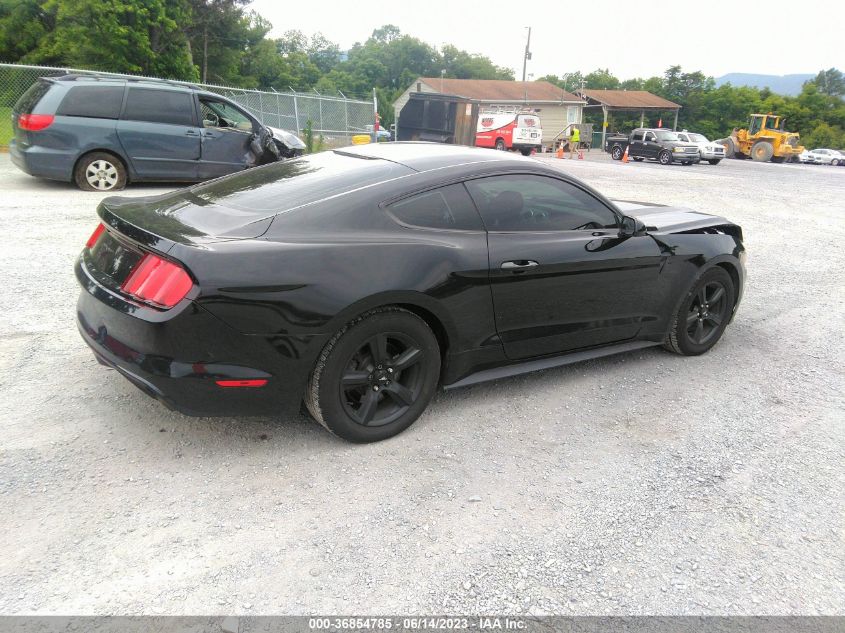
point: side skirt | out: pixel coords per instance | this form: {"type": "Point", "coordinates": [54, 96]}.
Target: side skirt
{"type": "Point", "coordinates": [547, 363]}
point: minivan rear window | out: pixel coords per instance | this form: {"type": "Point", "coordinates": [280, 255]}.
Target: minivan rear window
{"type": "Point", "coordinates": [26, 104]}
{"type": "Point", "coordinates": [100, 102]}
{"type": "Point", "coordinates": [159, 106]}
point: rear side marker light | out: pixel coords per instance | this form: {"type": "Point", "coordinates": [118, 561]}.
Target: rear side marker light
{"type": "Point", "coordinates": [35, 122]}
{"type": "Point", "coordinates": [157, 281]}
{"type": "Point", "coordinates": [95, 235]}
{"type": "Point", "coordinates": [241, 383]}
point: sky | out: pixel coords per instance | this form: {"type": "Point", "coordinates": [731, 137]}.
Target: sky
{"type": "Point", "coordinates": [636, 38]}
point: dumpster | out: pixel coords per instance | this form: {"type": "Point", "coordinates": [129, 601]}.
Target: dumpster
{"type": "Point", "coordinates": [439, 118]}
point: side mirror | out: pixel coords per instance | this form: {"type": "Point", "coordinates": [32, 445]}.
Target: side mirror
{"type": "Point", "coordinates": [632, 227]}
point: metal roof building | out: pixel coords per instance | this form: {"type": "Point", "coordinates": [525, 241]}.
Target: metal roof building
{"type": "Point", "coordinates": [640, 101]}
{"type": "Point", "coordinates": [556, 107]}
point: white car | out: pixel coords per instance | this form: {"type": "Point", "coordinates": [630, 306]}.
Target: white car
{"type": "Point", "coordinates": [825, 157]}
{"type": "Point", "coordinates": [707, 150]}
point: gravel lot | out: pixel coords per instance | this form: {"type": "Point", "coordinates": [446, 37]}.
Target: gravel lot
{"type": "Point", "coordinates": [645, 483]}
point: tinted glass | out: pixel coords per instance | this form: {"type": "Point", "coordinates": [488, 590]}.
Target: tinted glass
{"type": "Point", "coordinates": [102, 102]}
{"type": "Point", "coordinates": [537, 203]}
{"type": "Point", "coordinates": [666, 136]}
{"type": "Point", "coordinates": [26, 104]}
{"type": "Point", "coordinates": [638, 136]}
{"type": "Point", "coordinates": [159, 106]}
{"type": "Point", "coordinates": [445, 208]}
{"type": "Point", "coordinates": [289, 184]}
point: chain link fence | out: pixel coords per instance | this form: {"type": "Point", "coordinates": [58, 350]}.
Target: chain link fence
{"type": "Point", "coordinates": [336, 119]}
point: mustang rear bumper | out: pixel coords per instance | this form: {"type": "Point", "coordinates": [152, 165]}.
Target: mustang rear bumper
{"type": "Point", "coordinates": [179, 360]}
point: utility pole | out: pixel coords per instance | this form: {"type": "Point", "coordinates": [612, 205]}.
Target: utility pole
{"type": "Point", "coordinates": [527, 54]}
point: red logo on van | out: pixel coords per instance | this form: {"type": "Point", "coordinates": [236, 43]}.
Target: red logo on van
{"type": "Point", "coordinates": [529, 122]}
{"type": "Point", "coordinates": [487, 122]}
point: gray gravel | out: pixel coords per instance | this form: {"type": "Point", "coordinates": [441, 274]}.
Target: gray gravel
{"type": "Point", "coordinates": [638, 484]}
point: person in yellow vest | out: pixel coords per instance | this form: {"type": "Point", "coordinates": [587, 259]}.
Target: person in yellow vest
{"type": "Point", "coordinates": [574, 141]}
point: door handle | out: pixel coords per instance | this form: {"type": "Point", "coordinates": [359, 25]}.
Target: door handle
{"type": "Point", "coordinates": [192, 133]}
{"type": "Point", "coordinates": [208, 135]}
{"type": "Point", "coordinates": [516, 264]}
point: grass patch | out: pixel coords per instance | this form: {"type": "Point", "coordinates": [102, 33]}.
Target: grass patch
{"type": "Point", "coordinates": [5, 126]}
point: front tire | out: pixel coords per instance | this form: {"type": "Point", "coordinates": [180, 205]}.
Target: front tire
{"type": "Point", "coordinates": [100, 171]}
{"type": "Point", "coordinates": [664, 158]}
{"type": "Point", "coordinates": [703, 314]}
{"type": "Point", "coordinates": [375, 377]}
{"type": "Point", "coordinates": [762, 151]}
{"type": "Point", "coordinates": [714, 161]}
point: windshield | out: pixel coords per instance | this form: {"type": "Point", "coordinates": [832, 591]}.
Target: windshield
{"type": "Point", "coordinates": [666, 136]}
{"type": "Point", "coordinates": [698, 138]}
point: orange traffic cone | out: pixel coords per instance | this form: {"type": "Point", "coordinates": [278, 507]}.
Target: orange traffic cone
{"type": "Point", "coordinates": [625, 155]}
{"type": "Point", "coordinates": [560, 151]}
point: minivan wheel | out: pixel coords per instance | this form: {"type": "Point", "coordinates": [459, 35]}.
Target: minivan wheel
{"type": "Point", "coordinates": [100, 171]}
{"type": "Point", "coordinates": [375, 377]}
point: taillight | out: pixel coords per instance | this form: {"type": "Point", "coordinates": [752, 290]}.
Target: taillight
{"type": "Point", "coordinates": [95, 235]}
{"type": "Point", "coordinates": [35, 122]}
{"type": "Point", "coordinates": [157, 281]}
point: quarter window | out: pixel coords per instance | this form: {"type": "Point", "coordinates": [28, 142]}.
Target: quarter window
{"type": "Point", "coordinates": [444, 208]}
{"type": "Point", "coordinates": [99, 102]}
{"type": "Point", "coordinates": [537, 203]}
{"type": "Point", "coordinates": [159, 106]}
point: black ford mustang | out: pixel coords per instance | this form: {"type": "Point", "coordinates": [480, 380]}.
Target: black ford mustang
{"type": "Point", "coordinates": [358, 280]}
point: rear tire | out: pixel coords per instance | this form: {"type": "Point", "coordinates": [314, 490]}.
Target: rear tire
{"type": "Point", "coordinates": [762, 151]}
{"type": "Point", "coordinates": [703, 314]}
{"type": "Point", "coordinates": [99, 171]}
{"type": "Point", "coordinates": [525, 152]}
{"type": "Point", "coordinates": [500, 145]}
{"type": "Point", "coordinates": [375, 377]}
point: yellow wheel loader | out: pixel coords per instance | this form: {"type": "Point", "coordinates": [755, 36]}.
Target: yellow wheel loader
{"type": "Point", "coordinates": [764, 140]}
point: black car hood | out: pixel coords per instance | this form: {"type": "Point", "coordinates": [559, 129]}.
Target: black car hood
{"type": "Point", "coordinates": [660, 219]}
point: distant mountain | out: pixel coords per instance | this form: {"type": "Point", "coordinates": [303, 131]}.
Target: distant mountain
{"type": "Point", "coordinates": [781, 84]}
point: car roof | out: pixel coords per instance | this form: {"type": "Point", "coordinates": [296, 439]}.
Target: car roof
{"type": "Point", "coordinates": [145, 82]}
{"type": "Point", "coordinates": [422, 156]}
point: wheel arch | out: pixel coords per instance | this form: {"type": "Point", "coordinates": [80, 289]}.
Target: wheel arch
{"type": "Point", "coordinates": [420, 304]}
{"type": "Point", "coordinates": [104, 150]}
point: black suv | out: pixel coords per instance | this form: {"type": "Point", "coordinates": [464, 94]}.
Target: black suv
{"type": "Point", "coordinates": [658, 144]}
{"type": "Point", "coordinates": [102, 132]}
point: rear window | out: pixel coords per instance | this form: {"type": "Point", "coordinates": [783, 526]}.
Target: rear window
{"type": "Point", "coordinates": [283, 186]}
{"type": "Point", "coordinates": [159, 106]}
{"type": "Point", "coordinates": [100, 102]}
{"type": "Point", "coordinates": [26, 104]}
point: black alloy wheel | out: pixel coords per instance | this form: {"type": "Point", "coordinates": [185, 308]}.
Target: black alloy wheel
{"type": "Point", "coordinates": [382, 379]}
{"type": "Point", "coordinates": [375, 376]}
{"type": "Point", "coordinates": [616, 153]}
{"type": "Point", "coordinates": [703, 314]}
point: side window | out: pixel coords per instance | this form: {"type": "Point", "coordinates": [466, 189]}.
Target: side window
{"type": "Point", "coordinates": [101, 102]}
{"type": "Point", "coordinates": [638, 136]}
{"type": "Point", "coordinates": [650, 137]}
{"type": "Point", "coordinates": [159, 106]}
{"type": "Point", "coordinates": [683, 137]}
{"type": "Point", "coordinates": [223, 115]}
{"type": "Point", "coordinates": [448, 207]}
{"type": "Point", "coordinates": [537, 203]}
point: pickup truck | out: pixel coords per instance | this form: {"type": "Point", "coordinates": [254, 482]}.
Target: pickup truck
{"type": "Point", "coordinates": [658, 144]}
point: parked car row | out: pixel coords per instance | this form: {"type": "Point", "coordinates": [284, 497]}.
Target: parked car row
{"type": "Point", "coordinates": [102, 132]}
{"type": "Point", "coordinates": [823, 156]}
{"type": "Point", "coordinates": [664, 146]}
